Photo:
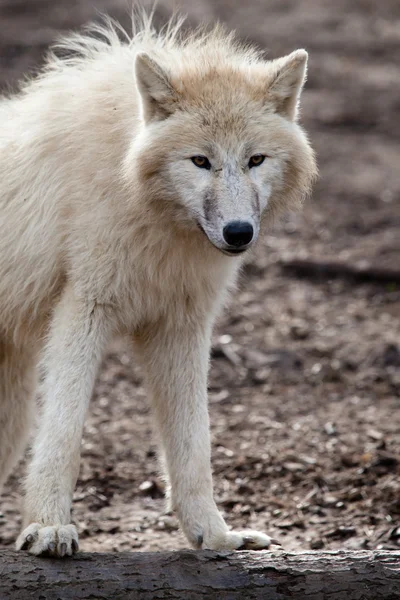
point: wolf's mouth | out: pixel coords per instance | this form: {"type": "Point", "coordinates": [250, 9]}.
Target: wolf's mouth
{"type": "Point", "coordinates": [201, 229]}
{"type": "Point", "coordinates": [235, 250]}
{"type": "Point", "coordinates": [227, 251]}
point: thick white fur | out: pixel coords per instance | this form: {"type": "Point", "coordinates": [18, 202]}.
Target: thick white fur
{"type": "Point", "coordinates": [107, 227]}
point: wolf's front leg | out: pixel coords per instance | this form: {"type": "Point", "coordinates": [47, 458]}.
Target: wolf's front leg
{"type": "Point", "coordinates": [176, 364]}
{"type": "Point", "coordinates": [77, 338]}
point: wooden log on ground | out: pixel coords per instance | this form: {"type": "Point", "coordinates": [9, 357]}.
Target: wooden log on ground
{"type": "Point", "coordinates": [188, 575]}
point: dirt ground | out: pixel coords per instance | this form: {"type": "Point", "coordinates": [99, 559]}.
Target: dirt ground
{"type": "Point", "coordinates": [305, 377]}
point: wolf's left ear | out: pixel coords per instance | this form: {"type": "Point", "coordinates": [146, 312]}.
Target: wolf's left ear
{"type": "Point", "coordinates": [287, 82]}
{"type": "Point", "coordinates": [158, 95]}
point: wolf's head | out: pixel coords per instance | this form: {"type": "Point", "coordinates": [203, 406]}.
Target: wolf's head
{"type": "Point", "coordinates": [220, 143]}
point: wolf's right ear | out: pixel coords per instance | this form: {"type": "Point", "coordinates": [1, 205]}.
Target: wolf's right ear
{"type": "Point", "coordinates": [289, 75]}
{"type": "Point", "coordinates": [158, 95]}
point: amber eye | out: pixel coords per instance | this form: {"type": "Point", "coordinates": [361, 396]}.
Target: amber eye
{"type": "Point", "coordinates": [201, 161]}
{"type": "Point", "coordinates": [256, 160]}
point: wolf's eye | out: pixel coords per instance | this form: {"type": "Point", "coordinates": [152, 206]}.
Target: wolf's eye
{"type": "Point", "coordinates": [201, 161]}
{"type": "Point", "coordinates": [256, 160]}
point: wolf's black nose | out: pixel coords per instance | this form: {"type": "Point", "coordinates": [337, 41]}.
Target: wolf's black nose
{"type": "Point", "coordinates": [238, 233]}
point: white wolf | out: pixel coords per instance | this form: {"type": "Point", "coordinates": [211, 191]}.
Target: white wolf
{"type": "Point", "coordinates": [133, 175]}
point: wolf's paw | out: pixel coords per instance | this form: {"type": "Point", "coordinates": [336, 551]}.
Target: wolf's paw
{"type": "Point", "coordinates": [240, 540]}
{"type": "Point", "coordinates": [56, 540]}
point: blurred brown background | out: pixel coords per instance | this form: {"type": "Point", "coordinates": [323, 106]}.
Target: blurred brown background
{"type": "Point", "coordinates": [304, 384]}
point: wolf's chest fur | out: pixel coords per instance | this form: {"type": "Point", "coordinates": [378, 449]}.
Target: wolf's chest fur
{"type": "Point", "coordinates": [172, 279]}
